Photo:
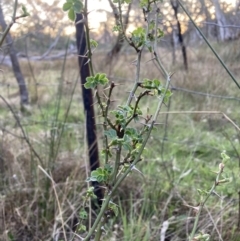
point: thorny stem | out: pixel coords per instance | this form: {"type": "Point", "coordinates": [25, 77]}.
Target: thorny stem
{"type": "Point", "coordinates": [129, 169]}
{"type": "Point", "coordinates": [106, 120]}
{"type": "Point", "coordinates": [201, 206]}
{"type": "Point", "coordinates": [88, 39]}
{"type": "Point", "coordinates": [132, 92]}
{"type": "Point", "coordinates": [137, 78]}
{"type": "Point", "coordinates": [118, 156]}
{"type": "Point", "coordinates": [99, 217]}
{"type": "Point", "coordinates": [136, 106]}
{"type": "Point", "coordinates": [100, 229]}
{"type": "Point", "coordinates": [116, 164]}
{"type": "Point", "coordinates": [99, 220]}
{"type": "Point", "coordinates": [164, 72]}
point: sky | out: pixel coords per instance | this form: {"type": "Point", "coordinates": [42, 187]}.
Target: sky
{"type": "Point", "coordinates": [95, 17]}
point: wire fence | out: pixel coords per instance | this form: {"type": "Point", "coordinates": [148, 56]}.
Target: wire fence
{"type": "Point", "coordinates": [173, 88]}
{"type": "Point", "coordinates": [48, 122]}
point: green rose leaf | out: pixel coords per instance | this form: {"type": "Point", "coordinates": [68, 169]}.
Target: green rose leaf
{"type": "Point", "coordinates": [111, 133]}
{"type": "Point", "coordinates": [66, 6]}
{"type": "Point", "coordinates": [77, 7]}
{"type": "Point", "coordinates": [71, 14]}
{"type": "Point", "coordinates": [93, 81]}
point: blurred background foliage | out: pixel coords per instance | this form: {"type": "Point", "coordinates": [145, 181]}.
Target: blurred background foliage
{"type": "Point", "coordinates": [182, 152]}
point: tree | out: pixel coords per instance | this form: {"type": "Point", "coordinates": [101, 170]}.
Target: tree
{"type": "Point", "coordinates": [175, 7]}
{"type": "Point", "coordinates": [224, 33]}
{"type": "Point", "coordinates": [13, 56]}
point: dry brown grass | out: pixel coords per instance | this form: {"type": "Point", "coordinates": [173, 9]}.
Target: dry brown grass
{"type": "Point", "coordinates": [22, 214]}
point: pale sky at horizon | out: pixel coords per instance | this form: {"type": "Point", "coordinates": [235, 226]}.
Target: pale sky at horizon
{"type": "Point", "coordinates": [95, 17]}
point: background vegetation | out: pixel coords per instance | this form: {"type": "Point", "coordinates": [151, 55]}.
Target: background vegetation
{"type": "Point", "coordinates": [200, 121]}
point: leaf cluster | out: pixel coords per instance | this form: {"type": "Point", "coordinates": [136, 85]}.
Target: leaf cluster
{"type": "Point", "coordinates": [101, 175]}
{"type": "Point", "coordinates": [72, 7]}
{"type": "Point", "coordinates": [126, 129]}
{"type": "Point", "coordinates": [94, 81]}
{"type": "Point", "coordinates": [119, 130]}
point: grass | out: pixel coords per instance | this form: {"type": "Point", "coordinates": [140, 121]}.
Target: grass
{"type": "Point", "coordinates": [34, 207]}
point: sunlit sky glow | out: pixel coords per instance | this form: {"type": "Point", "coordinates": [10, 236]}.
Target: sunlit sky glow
{"type": "Point", "coordinates": [96, 16]}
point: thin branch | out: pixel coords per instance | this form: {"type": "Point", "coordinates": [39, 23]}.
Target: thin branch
{"type": "Point", "coordinates": [202, 204]}
{"type": "Point", "coordinates": [6, 31]}
{"type": "Point", "coordinates": [209, 45]}
{"type": "Point", "coordinates": [22, 130]}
